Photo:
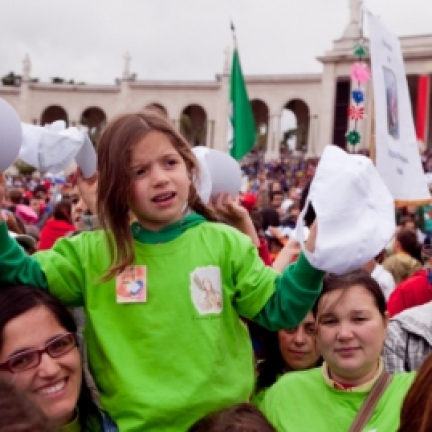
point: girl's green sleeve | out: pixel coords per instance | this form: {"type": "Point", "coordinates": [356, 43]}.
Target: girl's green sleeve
{"type": "Point", "coordinates": [296, 292]}
{"type": "Point", "coordinates": [16, 267]}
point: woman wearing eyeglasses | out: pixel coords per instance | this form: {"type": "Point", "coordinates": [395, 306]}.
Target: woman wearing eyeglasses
{"type": "Point", "coordinates": [39, 355]}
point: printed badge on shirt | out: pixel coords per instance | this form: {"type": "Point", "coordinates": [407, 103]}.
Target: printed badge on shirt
{"type": "Point", "coordinates": [206, 290]}
{"type": "Point", "coordinates": [131, 285]}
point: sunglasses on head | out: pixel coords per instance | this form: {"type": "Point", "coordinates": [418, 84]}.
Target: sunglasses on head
{"type": "Point", "coordinates": [29, 359]}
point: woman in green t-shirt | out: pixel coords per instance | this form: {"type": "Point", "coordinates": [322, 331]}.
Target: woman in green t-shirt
{"type": "Point", "coordinates": [351, 328]}
{"type": "Point", "coordinates": [287, 350]}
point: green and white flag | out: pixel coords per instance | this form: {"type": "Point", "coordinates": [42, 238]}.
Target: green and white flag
{"type": "Point", "coordinates": [243, 133]}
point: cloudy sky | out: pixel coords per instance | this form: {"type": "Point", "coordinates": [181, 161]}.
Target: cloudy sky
{"type": "Point", "coordinates": [85, 40]}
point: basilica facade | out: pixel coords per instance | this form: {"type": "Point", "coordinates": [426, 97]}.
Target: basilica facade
{"type": "Point", "coordinates": [200, 108]}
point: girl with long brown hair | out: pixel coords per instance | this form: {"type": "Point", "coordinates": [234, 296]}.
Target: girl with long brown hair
{"type": "Point", "coordinates": [163, 350]}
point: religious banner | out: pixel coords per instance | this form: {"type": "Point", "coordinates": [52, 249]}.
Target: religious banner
{"type": "Point", "coordinates": [397, 155]}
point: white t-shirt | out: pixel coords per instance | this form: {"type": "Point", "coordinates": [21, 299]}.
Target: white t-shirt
{"type": "Point", "coordinates": [384, 279]}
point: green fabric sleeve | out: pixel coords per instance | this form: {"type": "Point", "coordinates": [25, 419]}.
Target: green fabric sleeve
{"type": "Point", "coordinates": [63, 267]}
{"type": "Point", "coordinates": [253, 283]}
{"type": "Point", "coordinates": [16, 267]}
{"type": "Point", "coordinates": [296, 291]}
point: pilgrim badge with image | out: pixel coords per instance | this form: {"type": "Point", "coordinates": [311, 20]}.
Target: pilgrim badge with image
{"type": "Point", "coordinates": [206, 290]}
{"type": "Point", "coordinates": [131, 285]}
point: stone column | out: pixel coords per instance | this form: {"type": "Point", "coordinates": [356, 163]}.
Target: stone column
{"type": "Point", "coordinates": [223, 107]}
{"type": "Point", "coordinates": [313, 136]}
{"type": "Point", "coordinates": [209, 134]}
{"type": "Point", "coordinates": [326, 113]}
{"type": "Point", "coordinates": [273, 137]}
{"type": "Point", "coordinates": [25, 93]}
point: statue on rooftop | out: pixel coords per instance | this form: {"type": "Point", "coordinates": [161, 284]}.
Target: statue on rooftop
{"type": "Point", "coordinates": [126, 70]}
{"type": "Point", "coordinates": [353, 29]}
{"type": "Point", "coordinates": [227, 61]}
{"type": "Point", "coordinates": [26, 68]}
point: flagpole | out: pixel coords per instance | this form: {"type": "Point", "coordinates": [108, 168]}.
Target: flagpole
{"type": "Point", "coordinates": [234, 34]}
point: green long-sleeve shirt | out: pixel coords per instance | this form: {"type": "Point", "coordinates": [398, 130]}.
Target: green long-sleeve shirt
{"type": "Point", "coordinates": [163, 363]}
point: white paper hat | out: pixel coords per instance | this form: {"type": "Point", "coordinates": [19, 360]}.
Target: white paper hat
{"type": "Point", "coordinates": [219, 173]}
{"type": "Point", "coordinates": [354, 210]}
{"type": "Point", "coordinates": [428, 177]}
{"type": "Point", "coordinates": [10, 135]}
{"type": "Point", "coordinates": [53, 148]}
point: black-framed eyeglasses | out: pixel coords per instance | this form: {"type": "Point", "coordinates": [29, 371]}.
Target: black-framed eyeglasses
{"type": "Point", "coordinates": [29, 359]}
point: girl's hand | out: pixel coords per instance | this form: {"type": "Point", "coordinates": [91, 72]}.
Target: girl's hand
{"type": "Point", "coordinates": [287, 255]}
{"type": "Point", "coordinates": [2, 192]}
{"type": "Point", "coordinates": [88, 190]}
{"type": "Point", "coordinates": [230, 210]}
{"type": "Point", "coordinates": [236, 215]}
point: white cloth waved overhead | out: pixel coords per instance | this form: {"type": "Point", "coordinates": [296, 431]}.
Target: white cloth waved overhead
{"type": "Point", "coordinates": [354, 211]}
{"type": "Point", "coordinates": [53, 147]}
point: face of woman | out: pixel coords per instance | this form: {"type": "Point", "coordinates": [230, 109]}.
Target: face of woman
{"type": "Point", "coordinates": [350, 334]}
{"type": "Point", "coordinates": [297, 345]}
{"type": "Point", "coordinates": [54, 385]}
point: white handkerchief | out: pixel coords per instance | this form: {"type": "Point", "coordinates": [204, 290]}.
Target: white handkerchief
{"type": "Point", "coordinates": [354, 212]}
{"type": "Point", "coordinates": [53, 147]}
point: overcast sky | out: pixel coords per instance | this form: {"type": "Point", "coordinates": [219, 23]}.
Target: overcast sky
{"type": "Point", "coordinates": [85, 40]}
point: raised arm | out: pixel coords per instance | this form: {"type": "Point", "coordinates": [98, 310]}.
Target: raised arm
{"type": "Point", "coordinates": [296, 291]}
{"type": "Point", "coordinates": [15, 265]}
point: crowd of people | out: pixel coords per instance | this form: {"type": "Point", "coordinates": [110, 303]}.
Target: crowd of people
{"type": "Point", "coordinates": [128, 303]}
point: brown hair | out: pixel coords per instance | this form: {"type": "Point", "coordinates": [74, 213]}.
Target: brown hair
{"type": "Point", "coordinates": [18, 414]}
{"type": "Point", "coordinates": [115, 180]}
{"type": "Point", "coordinates": [409, 243]}
{"type": "Point", "coordinates": [333, 282]}
{"type": "Point", "coordinates": [15, 196]}
{"type": "Point", "coordinates": [62, 211]}
{"type": "Point", "coordinates": [406, 219]}
{"type": "Point", "coordinates": [12, 224]}
{"type": "Point", "coordinates": [416, 412]}
{"type": "Point", "coordinates": [243, 417]}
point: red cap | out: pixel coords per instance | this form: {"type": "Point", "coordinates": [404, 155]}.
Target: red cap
{"type": "Point", "coordinates": [248, 201]}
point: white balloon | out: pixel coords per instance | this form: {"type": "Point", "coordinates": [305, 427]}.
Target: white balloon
{"type": "Point", "coordinates": [219, 173]}
{"type": "Point", "coordinates": [225, 173]}
{"type": "Point", "coordinates": [10, 135]}
{"type": "Point", "coordinates": [203, 183]}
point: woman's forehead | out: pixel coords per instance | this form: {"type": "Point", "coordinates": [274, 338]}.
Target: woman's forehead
{"type": "Point", "coordinates": [30, 329]}
{"type": "Point", "coordinates": [343, 299]}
